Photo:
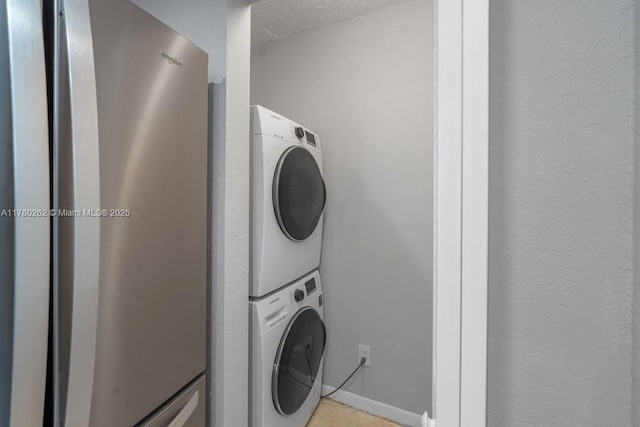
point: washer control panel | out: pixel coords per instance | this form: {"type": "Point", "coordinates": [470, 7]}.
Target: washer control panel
{"type": "Point", "coordinates": [310, 285]}
{"type": "Point", "coordinates": [275, 310]}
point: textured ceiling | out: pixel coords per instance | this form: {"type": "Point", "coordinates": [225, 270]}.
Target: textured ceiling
{"type": "Point", "coordinates": [275, 19]}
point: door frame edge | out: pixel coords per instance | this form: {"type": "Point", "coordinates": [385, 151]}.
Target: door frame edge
{"type": "Point", "coordinates": [461, 212]}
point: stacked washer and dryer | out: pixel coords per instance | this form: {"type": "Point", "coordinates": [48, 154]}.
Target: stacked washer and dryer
{"type": "Point", "coordinates": [288, 334]}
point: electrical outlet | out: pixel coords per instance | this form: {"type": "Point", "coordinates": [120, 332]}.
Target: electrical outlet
{"type": "Point", "coordinates": [364, 351]}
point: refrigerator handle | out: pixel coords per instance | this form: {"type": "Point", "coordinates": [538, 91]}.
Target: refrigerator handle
{"type": "Point", "coordinates": [186, 411]}
{"type": "Point", "coordinates": [31, 230]}
{"type": "Point", "coordinates": [85, 188]}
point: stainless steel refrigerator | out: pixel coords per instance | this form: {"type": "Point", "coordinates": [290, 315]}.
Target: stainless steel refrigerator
{"type": "Point", "coordinates": [103, 217]}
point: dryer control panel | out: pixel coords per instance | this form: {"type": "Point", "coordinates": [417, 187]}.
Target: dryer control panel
{"type": "Point", "coordinates": [267, 122]}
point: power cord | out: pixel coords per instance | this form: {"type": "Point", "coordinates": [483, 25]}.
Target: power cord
{"type": "Point", "coordinates": [362, 362]}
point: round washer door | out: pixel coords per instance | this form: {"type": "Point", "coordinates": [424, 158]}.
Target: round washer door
{"type": "Point", "coordinates": [299, 193]}
{"type": "Point", "coordinates": [298, 361]}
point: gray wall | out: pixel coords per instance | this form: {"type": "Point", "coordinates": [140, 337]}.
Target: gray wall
{"type": "Point", "coordinates": [635, 396]}
{"type": "Point", "coordinates": [365, 85]}
{"type": "Point", "coordinates": [561, 213]}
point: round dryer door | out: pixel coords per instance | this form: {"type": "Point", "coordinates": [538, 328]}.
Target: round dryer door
{"type": "Point", "coordinates": [298, 361]}
{"type": "Point", "coordinates": [299, 193]}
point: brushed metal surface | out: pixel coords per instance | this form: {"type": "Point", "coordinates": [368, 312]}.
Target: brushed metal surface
{"type": "Point", "coordinates": [30, 230]}
{"type": "Point", "coordinates": [166, 415]}
{"type": "Point", "coordinates": [77, 238]}
{"type": "Point", "coordinates": [152, 109]}
{"type": "Point", "coordinates": [62, 197]}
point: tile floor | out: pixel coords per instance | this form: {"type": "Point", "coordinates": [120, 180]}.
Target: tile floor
{"type": "Point", "coordinates": [330, 413]}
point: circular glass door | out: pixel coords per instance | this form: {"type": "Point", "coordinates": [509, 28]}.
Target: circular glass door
{"type": "Point", "coordinates": [298, 361]}
{"type": "Point", "coordinates": [299, 193]}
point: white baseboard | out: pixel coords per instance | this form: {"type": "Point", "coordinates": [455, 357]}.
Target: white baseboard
{"type": "Point", "coordinates": [376, 408]}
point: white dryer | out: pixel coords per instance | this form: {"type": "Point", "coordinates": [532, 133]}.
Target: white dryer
{"type": "Point", "coordinates": [288, 339]}
{"type": "Point", "coordinates": [287, 202]}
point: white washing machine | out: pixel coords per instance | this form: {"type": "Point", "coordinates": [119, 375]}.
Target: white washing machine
{"type": "Point", "coordinates": [287, 202]}
{"type": "Point", "coordinates": [288, 339]}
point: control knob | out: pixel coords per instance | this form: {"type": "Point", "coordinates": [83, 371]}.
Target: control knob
{"type": "Point", "coordinates": [298, 295]}
{"type": "Point", "coordinates": [299, 132]}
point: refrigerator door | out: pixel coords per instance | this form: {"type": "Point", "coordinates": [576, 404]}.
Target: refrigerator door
{"type": "Point", "coordinates": [151, 88]}
{"type": "Point", "coordinates": [24, 209]}
{"type": "Point", "coordinates": [76, 233]}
